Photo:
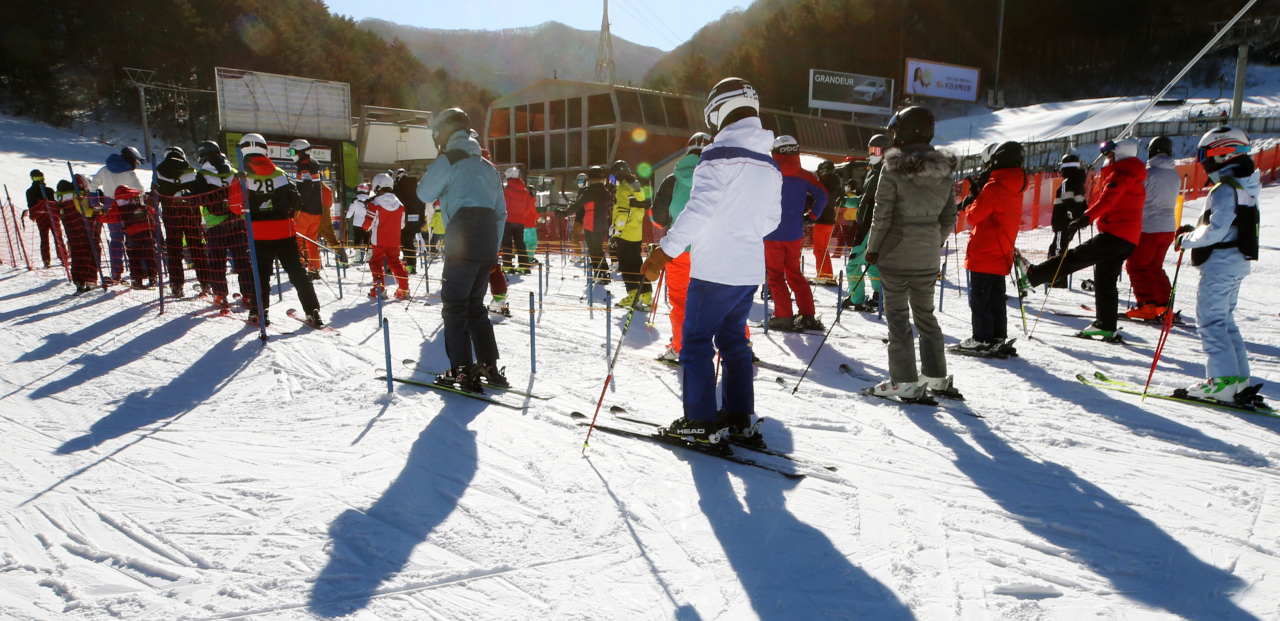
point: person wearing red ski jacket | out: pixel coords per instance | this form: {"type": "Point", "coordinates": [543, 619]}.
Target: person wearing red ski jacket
{"type": "Point", "coordinates": [1118, 210]}
{"type": "Point", "coordinates": [130, 211]}
{"type": "Point", "coordinates": [995, 215]}
{"type": "Point", "coordinates": [385, 221]}
{"type": "Point", "coordinates": [783, 246]}
{"type": "Point", "coordinates": [519, 204]}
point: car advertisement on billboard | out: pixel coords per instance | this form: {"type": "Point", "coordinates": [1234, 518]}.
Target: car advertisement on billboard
{"type": "Point", "coordinates": [930, 79]}
{"type": "Point", "coordinates": [829, 90]}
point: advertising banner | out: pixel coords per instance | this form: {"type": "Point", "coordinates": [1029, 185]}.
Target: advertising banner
{"type": "Point", "coordinates": [930, 79]}
{"type": "Point", "coordinates": [829, 90]}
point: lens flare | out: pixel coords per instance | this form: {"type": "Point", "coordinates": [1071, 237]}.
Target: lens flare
{"type": "Point", "coordinates": [644, 170]}
{"type": "Point", "coordinates": [256, 34]}
{"type": "Point", "coordinates": [639, 135]}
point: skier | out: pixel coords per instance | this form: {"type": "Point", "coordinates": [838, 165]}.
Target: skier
{"type": "Point", "coordinates": [225, 232]}
{"type": "Point", "coordinates": [628, 224]}
{"type": "Point", "coordinates": [469, 189]}
{"type": "Point", "coordinates": [137, 219]}
{"type": "Point", "coordinates": [385, 222]}
{"type": "Point", "coordinates": [1151, 285]}
{"type": "Point", "coordinates": [72, 214]}
{"type": "Point", "coordinates": [1068, 208]}
{"type": "Point", "coordinates": [406, 189]}
{"type": "Point", "coordinates": [1118, 216]}
{"type": "Point", "coordinates": [271, 204]}
{"type": "Point", "coordinates": [915, 211]}
{"type": "Point", "coordinates": [995, 216]}
{"type": "Point", "coordinates": [120, 170]}
{"type": "Point", "coordinates": [824, 227]}
{"type": "Point", "coordinates": [358, 212]}
{"type": "Point", "coordinates": [591, 210]}
{"type": "Point", "coordinates": [531, 228]}
{"type": "Point", "coordinates": [175, 178]}
{"type": "Point", "coordinates": [311, 210]}
{"type": "Point", "coordinates": [519, 202]}
{"type": "Point", "coordinates": [41, 209]}
{"type": "Point", "coordinates": [667, 206]}
{"type": "Point", "coordinates": [1222, 244]}
{"type": "Point", "coordinates": [735, 201]}
{"type": "Point", "coordinates": [782, 247]}
{"type": "Point", "coordinates": [857, 270]}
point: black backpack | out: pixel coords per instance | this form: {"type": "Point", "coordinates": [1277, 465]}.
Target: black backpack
{"type": "Point", "coordinates": [1247, 223]}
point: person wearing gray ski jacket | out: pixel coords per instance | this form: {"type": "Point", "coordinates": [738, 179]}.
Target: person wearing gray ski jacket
{"type": "Point", "coordinates": [1145, 266]}
{"type": "Point", "coordinates": [915, 212]}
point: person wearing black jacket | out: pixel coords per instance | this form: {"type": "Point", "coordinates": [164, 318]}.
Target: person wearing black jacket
{"type": "Point", "coordinates": [174, 180]}
{"type": "Point", "coordinates": [311, 210]}
{"type": "Point", "coordinates": [225, 232]}
{"type": "Point", "coordinates": [593, 209]}
{"type": "Point", "coordinates": [1068, 206]}
{"type": "Point", "coordinates": [824, 226]}
{"type": "Point", "coordinates": [41, 205]}
{"type": "Point", "coordinates": [415, 214]}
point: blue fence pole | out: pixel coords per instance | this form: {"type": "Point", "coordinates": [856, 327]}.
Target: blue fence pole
{"type": "Point", "coordinates": [279, 287]}
{"type": "Point", "coordinates": [159, 237]}
{"type": "Point", "coordinates": [386, 346]}
{"type": "Point", "coordinates": [540, 271]}
{"type": "Point", "coordinates": [839, 294]}
{"type": "Point", "coordinates": [533, 343]}
{"type": "Point", "coordinates": [608, 325]}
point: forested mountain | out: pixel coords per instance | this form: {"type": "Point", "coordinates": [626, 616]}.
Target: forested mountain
{"type": "Point", "coordinates": [1053, 51]}
{"type": "Point", "coordinates": [57, 58]}
{"type": "Point", "coordinates": [508, 60]}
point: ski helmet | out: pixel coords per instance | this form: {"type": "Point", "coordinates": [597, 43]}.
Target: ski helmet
{"type": "Point", "coordinates": [1070, 160]}
{"type": "Point", "coordinates": [1007, 155]}
{"type": "Point", "coordinates": [597, 173]}
{"type": "Point", "coordinates": [876, 147]}
{"type": "Point", "coordinates": [1221, 145]}
{"type": "Point", "coordinates": [363, 188]}
{"type": "Point", "coordinates": [298, 148]}
{"type": "Point", "coordinates": [175, 149]}
{"type": "Point", "coordinates": [132, 156]}
{"type": "Point", "coordinates": [825, 168]}
{"type": "Point", "coordinates": [1159, 145]}
{"type": "Point", "coordinates": [725, 97]}
{"type": "Point", "coordinates": [1121, 149]}
{"type": "Point", "coordinates": [786, 145]}
{"type": "Point", "coordinates": [620, 169]}
{"type": "Point", "coordinates": [988, 151]}
{"type": "Point", "coordinates": [382, 182]}
{"type": "Point", "coordinates": [448, 123]}
{"type": "Point", "coordinates": [37, 175]}
{"type": "Point", "coordinates": [253, 144]}
{"type": "Point", "coordinates": [207, 149]}
{"type": "Point", "coordinates": [911, 125]}
{"type": "Point", "coordinates": [65, 187]}
{"type": "Point", "coordinates": [512, 173]}
{"type": "Point", "coordinates": [582, 179]}
{"type": "Point", "coordinates": [400, 174]}
{"type": "Point", "coordinates": [697, 143]}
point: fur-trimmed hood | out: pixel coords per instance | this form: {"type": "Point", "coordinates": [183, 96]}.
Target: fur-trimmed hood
{"type": "Point", "coordinates": [920, 161]}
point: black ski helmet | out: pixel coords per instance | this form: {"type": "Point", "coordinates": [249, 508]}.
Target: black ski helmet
{"type": "Point", "coordinates": [1070, 160]}
{"type": "Point", "coordinates": [727, 96]}
{"type": "Point", "coordinates": [880, 140]}
{"type": "Point", "coordinates": [825, 168]}
{"type": "Point", "coordinates": [620, 169]}
{"type": "Point", "coordinates": [132, 156]}
{"type": "Point", "coordinates": [1158, 145]}
{"type": "Point", "coordinates": [175, 149]}
{"type": "Point", "coordinates": [448, 123]}
{"type": "Point", "coordinates": [911, 125]}
{"type": "Point", "coordinates": [65, 187]}
{"type": "Point", "coordinates": [36, 174]}
{"type": "Point", "coordinates": [207, 149]}
{"type": "Point", "coordinates": [597, 173]}
{"type": "Point", "coordinates": [1007, 155]}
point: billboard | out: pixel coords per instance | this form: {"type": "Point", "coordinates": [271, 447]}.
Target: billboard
{"type": "Point", "coordinates": [281, 105]}
{"type": "Point", "coordinates": [829, 90]}
{"type": "Point", "coordinates": [930, 79]}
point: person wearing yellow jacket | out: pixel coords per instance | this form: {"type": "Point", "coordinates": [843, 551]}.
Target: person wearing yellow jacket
{"type": "Point", "coordinates": [628, 229]}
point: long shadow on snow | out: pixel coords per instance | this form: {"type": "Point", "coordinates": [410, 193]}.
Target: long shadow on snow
{"type": "Point", "coordinates": [373, 546]}
{"type": "Point", "coordinates": [789, 569]}
{"type": "Point", "coordinates": [1095, 529]}
{"type": "Point", "coordinates": [32, 309]}
{"type": "Point", "coordinates": [84, 302]}
{"type": "Point", "coordinates": [56, 343]}
{"type": "Point", "coordinates": [1113, 407]}
{"type": "Point", "coordinates": [199, 383]}
{"type": "Point", "coordinates": [45, 286]}
{"type": "Point", "coordinates": [97, 365]}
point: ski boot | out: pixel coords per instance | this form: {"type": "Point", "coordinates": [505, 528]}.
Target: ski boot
{"type": "Point", "coordinates": [461, 378]}
{"type": "Point", "coordinates": [810, 322]}
{"type": "Point", "coordinates": [499, 305]}
{"type": "Point", "coordinates": [645, 303]}
{"type": "Point", "coordinates": [313, 275]}
{"type": "Point", "coordinates": [490, 374]}
{"type": "Point", "coordinates": [972, 347]}
{"type": "Point", "coordinates": [907, 392]}
{"type": "Point", "coordinates": [377, 292]}
{"type": "Point", "coordinates": [941, 386]}
{"type": "Point", "coordinates": [220, 301]}
{"type": "Point", "coordinates": [313, 319]}
{"type": "Point", "coordinates": [670, 356]}
{"type": "Point", "coordinates": [741, 430]}
{"type": "Point", "coordinates": [786, 324]}
{"type": "Point", "coordinates": [627, 301]}
{"type": "Point", "coordinates": [402, 294]}
{"type": "Point", "coordinates": [253, 318]}
{"type": "Point", "coordinates": [704, 435]}
{"type": "Point", "coordinates": [1222, 389]}
{"type": "Point", "coordinates": [176, 291]}
{"type": "Point", "coordinates": [1004, 348]}
{"type": "Point", "coordinates": [1247, 396]}
{"type": "Point", "coordinates": [1096, 333]}
{"type": "Point", "coordinates": [1145, 312]}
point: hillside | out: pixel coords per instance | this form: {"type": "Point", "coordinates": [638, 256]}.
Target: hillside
{"type": "Point", "coordinates": [507, 60]}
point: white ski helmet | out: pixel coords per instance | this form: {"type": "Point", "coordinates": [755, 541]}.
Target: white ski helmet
{"type": "Point", "coordinates": [1123, 149]}
{"type": "Point", "coordinates": [698, 142]}
{"type": "Point", "coordinates": [786, 144]}
{"type": "Point", "coordinates": [1220, 145]}
{"type": "Point", "coordinates": [298, 147]}
{"type": "Point", "coordinates": [363, 188]}
{"type": "Point", "coordinates": [726, 96]}
{"type": "Point", "coordinates": [582, 180]}
{"type": "Point", "coordinates": [512, 173]}
{"type": "Point", "coordinates": [253, 144]}
{"type": "Point", "coordinates": [382, 182]}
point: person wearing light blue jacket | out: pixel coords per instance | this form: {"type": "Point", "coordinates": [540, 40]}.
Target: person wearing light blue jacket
{"type": "Point", "coordinates": [1222, 244]}
{"type": "Point", "coordinates": [469, 189]}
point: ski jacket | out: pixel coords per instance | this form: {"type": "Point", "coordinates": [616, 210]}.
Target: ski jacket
{"type": "Point", "coordinates": [915, 210]}
{"type": "Point", "coordinates": [736, 200]}
{"type": "Point", "coordinates": [1118, 210]}
{"type": "Point", "coordinates": [406, 189]}
{"type": "Point", "coordinates": [1069, 202]}
{"type": "Point", "coordinates": [215, 174]}
{"type": "Point", "coordinates": [629, 210]}
{"type": "Point", "coordinates": [308, 184]}
{"type": "Point", "coordinates": [116, 173]}
{"type": "Point", "coordinates": [358, 210]}
{"type": "Point", "coordinates": [1162, 186]}
{"type": "Point", "coordinates": [1217, 223]}
{"type": "Point", "coordinates": [593, 206]}
{"type": "Point", "coordinates": [798, 185]}
{"type": "Point", "coordinates": [174, 176]}
{"type": "Point", "coordinates": [995, 216]}
{"type": "Point", "coordinates": [273, 199]}
{"type": "Point", "coordinates": [470, 193]}
{"type": "Point", "coordinates": [40, 202]}
{"type": "Point", "coordinates": [519, 202]}
{"type": "Point", "coordinates": [128, 210]}
{"type": "Point", "coordinates": [387, 219]}
{"type": "Point", "coordinates": [835, 195]}
{"type": "Point", "coordinates": [437, 220]}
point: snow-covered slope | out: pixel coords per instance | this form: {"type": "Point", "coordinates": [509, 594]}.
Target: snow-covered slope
{"type": "Point", "coordinates": [26, 145]}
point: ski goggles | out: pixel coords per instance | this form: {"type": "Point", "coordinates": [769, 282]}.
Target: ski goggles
{"type": "Point", "coordinates": [37, 177]}
{"type": "Point", "coordinates": [1204, 153]}
{"type": "Point", "coordinates": [1107, 147]}
{"type": "Point", "coordinates": [294, 152]}
{"type": "Point", "coordinates": [875, 151]}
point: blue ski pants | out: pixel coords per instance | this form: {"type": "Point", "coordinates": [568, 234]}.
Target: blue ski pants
{"type": "Point", "coordinates": [715, 317]}
{"type": "Point", "coordinates": [1216, 325]}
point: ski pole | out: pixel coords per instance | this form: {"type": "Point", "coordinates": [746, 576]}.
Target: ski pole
{"type": "Point", "coordinates": [824, 339]}
{"type": "Point", "coordinates": [1167, 327]}
{"type": "Point", "coordinates": [657, 292]}
{"type": "Point", "coordinates": [608, 380]}
{"type": "Point", "coordinates": [1056, 273]}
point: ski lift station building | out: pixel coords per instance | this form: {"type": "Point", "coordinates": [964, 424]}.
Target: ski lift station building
{"type": "Point", "coordinates": [559, 128]}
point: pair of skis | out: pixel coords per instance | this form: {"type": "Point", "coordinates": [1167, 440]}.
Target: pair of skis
{"type": "Point", "coordinates": [1253, 404]}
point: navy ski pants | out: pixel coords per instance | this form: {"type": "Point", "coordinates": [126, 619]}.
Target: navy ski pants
{"type": "Point", "coordinates": [715, 317]}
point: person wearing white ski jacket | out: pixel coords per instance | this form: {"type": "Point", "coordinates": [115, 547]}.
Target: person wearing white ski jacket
{"type": "Point", "coordinates": [359, 238]}
{"type": "Point", "coordinates": [736, 200]}
{"type": "Point", "coordinates": [120, 170]}
{"type": "Point", "coordinates": [1151, 286]}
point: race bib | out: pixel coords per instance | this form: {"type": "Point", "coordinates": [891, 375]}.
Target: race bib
{"type": "Point", "coordinates": [413, 217]}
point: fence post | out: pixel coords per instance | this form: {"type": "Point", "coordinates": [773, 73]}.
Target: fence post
{"type": "Point", "coordinates": [13, 258]}
{"type": "Point", "coordinates": [533, 343]}
{"type": "Point", "coordinates": [540, 271]}
{"type": "Point", "coordinates": [17, 231]}
{"type": "Point", "coordinates": [608, 325]}
{"type": "Point", "coordinates": [386, 346]}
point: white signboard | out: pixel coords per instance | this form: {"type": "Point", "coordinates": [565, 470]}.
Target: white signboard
{"type": "Point", "coordinates": [930, 79]}
{"type": "Point", "coordinates": [281, 105]}
{"type": "Point", "coordinates": [829, 90]}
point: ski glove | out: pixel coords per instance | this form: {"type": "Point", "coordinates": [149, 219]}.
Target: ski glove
{"type": "Point", "coordinates": [873, 258]}
{"type": "Point", "coordinates": [654, 264]}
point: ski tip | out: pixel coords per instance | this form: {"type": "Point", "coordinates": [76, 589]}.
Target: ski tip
{"type": "Point", "coordinates": [615, 409]}
{"type": "Point", "coordinates": [578, 416]}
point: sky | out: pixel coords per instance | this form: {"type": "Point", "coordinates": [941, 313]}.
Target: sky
{"type": "Point", "coordinates": [663, 24]}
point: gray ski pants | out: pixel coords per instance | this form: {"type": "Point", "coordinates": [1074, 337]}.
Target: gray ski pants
{"type": "Point", "coordinates": [906, 298]}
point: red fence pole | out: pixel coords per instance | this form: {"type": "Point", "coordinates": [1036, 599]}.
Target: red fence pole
{"type": "Point", "coordinates": [13, 212]}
